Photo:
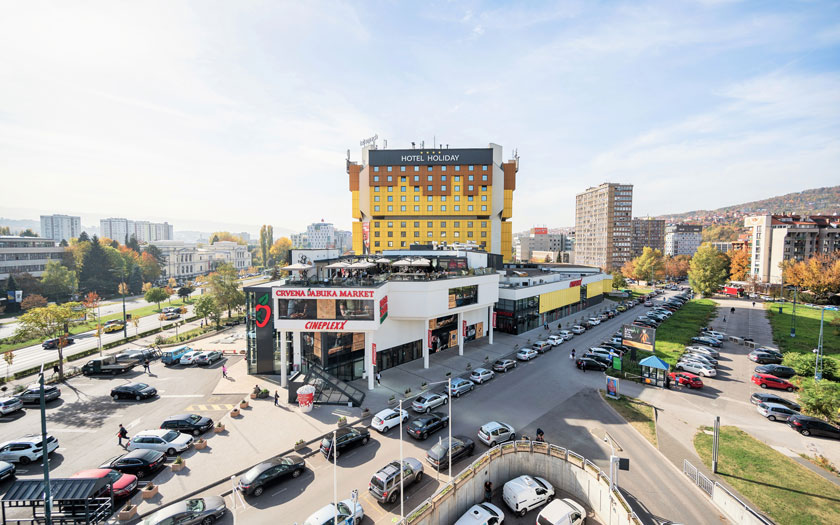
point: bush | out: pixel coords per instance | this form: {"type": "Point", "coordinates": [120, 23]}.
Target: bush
{"type": "Point", "coordinates": [804, 365]}
{"type": "Point", "coordinates": [820, 399]}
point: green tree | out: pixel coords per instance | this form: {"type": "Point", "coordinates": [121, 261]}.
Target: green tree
{"type": "Point", "coordinates": [156, 295]}
{"type": "Point", "coordinates": [224, 287]}
{"type": "Point", "coordinates": [155, 252]}
{"type": "Point", "coordinates": [28, 233]}
{"type": "Point", "coordinates": [135, 281]}
{"type": "Point", "coordinates": [185, 291]}
{"type": "Point", "coordinates": [5, 230]}
{"type": "Point", "coordinates": [804, 365]}
{"type": "Point", "coordinates": [96, 275]}
{"type": "Point", "coordinates": [619, 281]}
{"type": "Point", "coordinates": [821, 399]}
{"type": "Point", "coordinates": [133, 244]}
{"type": "Point", "coordinates": [64, 243]}
{"type": "Point", "coordinates": [214, 239]}
{"type": "Point", "coordinates": [83, 237]}
{"type": "Point", "coordinates": [266, 241]}
{"type": "Point", "coordinates": [709, 270]}
{"type": "Point", "coordinates": [206, 306]}
{"type": "Point", "coordinates": [49, 322]}
{"type": "Point", "coordinates": [649, 266]}
{"type": "Point", "coordinates": [58, 281]}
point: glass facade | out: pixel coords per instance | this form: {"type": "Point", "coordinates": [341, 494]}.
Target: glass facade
{"type": "Point", "coordinates": [398, 355]}
{"type": "Point", "coordinates": [341, 354]}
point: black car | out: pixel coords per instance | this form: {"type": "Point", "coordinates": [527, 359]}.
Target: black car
{"type": "Point", "coordinates": [590, 363]}
{"type": "Point", "coordinates": [188, 424]}
{"type": "Point", "coordinates": [706, 341]}
{"type": "Point", "coordinates": [785, 372]}
{"type": "Point", "coordinates": [347, 437]}
{"type": "Point", "coordinates": [811, 426]}
{"type": "Point", "coordinates": [761, 397]}
{"type": "Point", "coordinates": [764, 358]}
{"type": "Point", "coordinates": [49, 344]}
{"type": "Point", "coordinates": [421, 426]}
{"type": "Point", "coordinates": [620, 348]}
{"type": "Point", "coordinates": [644, 322]}
{"type": "Point", "coordinates": [138, 462]}
{"type": "Point", "coordinates": [32, 394]}
{"type": "Point", "coordinates": [136, 391]}
{"type": "Point", "coordinates": [253, 482]}
{"type": "Point", "coordinates": [771, 351]}
{"type": "Point", "coordinates": [139, 355]}
{"type": "Point", "coordinates": [438, 455]}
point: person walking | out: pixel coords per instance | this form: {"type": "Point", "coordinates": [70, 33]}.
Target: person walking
{"type": "Point", "coordinates": [276, 399]}
{"type": "Point", "coordinates": [122, 433]}
{"type": "Point", "coordinates": [224, 371]}
{"type": "Point", "coordinates": [378, 378]}
{"type": "Point", "coordinates": [146, 367]}
{"type": "Point", "coordinates": [488, 491]}
{"type": "Point", "coordinates": [572, 354]}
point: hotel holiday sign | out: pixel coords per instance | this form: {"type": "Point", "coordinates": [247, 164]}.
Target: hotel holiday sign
{"type": "Point", "coordinates": [427, 157]}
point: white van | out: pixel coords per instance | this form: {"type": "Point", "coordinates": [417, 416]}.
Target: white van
{"type": "Point", "coordinates": [562, 512]}
{"type": "Point", "coordinates": [526, 493]}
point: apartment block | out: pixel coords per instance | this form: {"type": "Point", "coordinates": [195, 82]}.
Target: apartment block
{"type": "Point", "coordinates": [60, 227]}
{"type": "Point", "coordinates": [648, 233]}
{"type": "Point", "coordinates": [683, 239]}
{"type": "Point", "coordinates": [121, 230]}
{"type": "Point", "coordinates": [603, 230]}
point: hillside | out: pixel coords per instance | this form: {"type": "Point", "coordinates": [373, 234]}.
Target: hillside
{"type": "Point", "coordinates": [817, 201]}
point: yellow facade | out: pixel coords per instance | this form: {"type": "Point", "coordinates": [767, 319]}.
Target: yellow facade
{"type": "Point", "coordinates": [558, 299]}
{"type": "Point", "coordinates": [507, 241]}
{"type": "Point", "coordinates": [357, 213]}
{"type": "Point", "coordinates": [401, 232]}
{"type": "Point", "coordinates": [407, 200]}
{"type": "Point", "coordinates": [507, 211]}
{"type": "Point", "coordinates": [358, 241]}
{"type": "Point", "coordinates": [598, 288]}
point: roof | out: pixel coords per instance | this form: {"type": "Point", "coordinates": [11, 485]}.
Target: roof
{"type": "Point", "coordinates": [62, 489]}
{"type": "Point", "coordinates": [654, 362]}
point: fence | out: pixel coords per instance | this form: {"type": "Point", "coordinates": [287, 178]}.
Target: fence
{"type": "Point", "coordinates": [730, 504]}
{"type": "Point", "coordinates": [698, 477]}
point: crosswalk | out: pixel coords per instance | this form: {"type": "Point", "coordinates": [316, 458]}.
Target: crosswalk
{"type": "Point", "coordinates": [210, 407]}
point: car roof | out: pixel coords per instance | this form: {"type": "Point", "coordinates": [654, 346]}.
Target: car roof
{"type": "Point", "coordinates": [92, 473]}
{"type": "Point", "coordinates": [776, 406]}
{"type": "Point", "coordinates": [490, 425]}
{"type": "Point", "coordinates": [160, 432]}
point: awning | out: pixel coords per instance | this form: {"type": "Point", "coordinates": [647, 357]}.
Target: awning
{"type": "Point", "coordinates": [383, 260]}
{"type": "Point", "coordinates": [361, 265]}
{"type": "Point", "coordinates": [654, 362]}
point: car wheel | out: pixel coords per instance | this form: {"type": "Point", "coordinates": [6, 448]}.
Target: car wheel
{"type": "Point", "coordinates": [137, 397]}
{"type": "Point", "coordinates": [365, 440]}
{"type": "Point", "coordinates": [418, 477]}
{"type": "Point", "coordinates": [446, 423]}
{"type": "Point", "coordinates": [140, 473]}
{"type": "Point", "coordinates": [805, 432]}
{"type": "Point", "coordinates": [385, 429]}
{"type": "Point", "coordinates": [115, 397]}
{"type": "Point", "coordinates": [522, 513]}
{"type": "Point", "coordinates": [514, 365]}
{"type": "Point", "coordinates": [472, 388]}
{"type": "Point", "coordinates": [428, 409]}
{"type": "Point", "coordinates": [196, 432]}
{"type": "Point", "coordinates": [763, 385]}
{"type": "Point", "coordinates": [170, 452]}
{"type": "Point", "coordinates": [458, 394]}
{"type": "Point", "coordinates": [492, 443]}
{"type": "Point", "coordinates": [393, 497]}
{"type": "Point", "coordinates": [297, 473]}
{"type": "Point", "coordinates": [425, 435]}
{"type": "Point", "coordinates": [24, 460]}
{"type": "Point", "coordinates": [771, 418]}
{"type": "Point", "coordinates": [789, 389]}
{"type": "Point", "coordinates": [257, 492]}
{"type": "Point", "coordinates": [472, 449]}
{"type": "Point", "coordinates": [445, 400]}
{"type": "Point", "coordinates": [208, 520]}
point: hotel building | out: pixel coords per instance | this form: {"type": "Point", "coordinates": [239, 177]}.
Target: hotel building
{"type": "Point", "coordinates": [432, 196]}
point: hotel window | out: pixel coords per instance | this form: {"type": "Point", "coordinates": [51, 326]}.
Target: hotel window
{"type": "Point", "coordinates": [484, 188]}
{"type": "Point", "coordinates": [376, 168]}
{"type": "Point", "coordinates": [457, 178]}
{"type": "Point", "coordinates": [429, 208]}
{"type": "Point", "coordinates": [402, 198]}
{"type": "Point", "coordinates": [428, 234]}
{"type": "Point", "coordinates": [403, 188]}
{"type": "Point", "coordinates": [376, 234]}
{"type": "Point", "coordinates": [443, 207]}
{"type": "Point", "coordinates": [402, 224]}
{"type": "Point", "coordinates": [402, 208]}
{"type": "Point", "coordinates": [470, 186]}
{"type": "Point", "coordinates": [417, 198]}
{"type": "Point", "coordinates": [417, 208]}
{"type": "Point", "coordinates": [457, 234]}
{"type": "Point", "coordinates": [469, 207]}
{"type": "Point", "coordinates": [443, 168]}
{"type": "Point", "coordinates": [443, 187]}
{"type": "Point", "coordinates": [376, 178]}
{"type": "Point", "coordinates": [390, 198]}
{"type": "Point", "coordinates": [402, 168]}
{"type": "Point", "coordinates": [428, 188]}
{"type": "Point", "coordinates": [417, 188]}
{"type": "Point", "coordinates": [376, 208]}
{"type": "Point", "coordinates": [416, 168]}
{"type": "Point", "coordinates": [428, 168]}
{"type": "Point", "coordinates": [469, 234]}
{"type": "Point", "coordinates": [402, 234]}
{"type": "Point", "coordinates": [457, 198]}
{"type": "Point", "coordinates": [457, 168]}
{"type": "Point", "coordinates": [471, 168]}
{"type": "Point", "coordinates": [484, 168]}
{"type": "Point", "coordinates": [417, 178]}
{"type": "Point", "coordinates": [484, 234]}
{"type": "Point", "coordinates": [376, 188]}
{"type": "Point", "coordinates": [443, 224]}
{"type": "Point", "coordinates": [390, 224]}
{"type": "Point", "coordinates": [484, 197]}
{"type": "Point", "coordinates": [429, 178]}
{"type": "Point", "coordinates": [376, 198]}
{"type": "Point", "coordinates": [402, 244]}
{"type": "Point", "coordinates": [443, 234]}
{"type": "Point", "coordinates": [483, 224]}
{"type": "Point", "coordinates": [390, 189]}
{"type": "Point", "coordinates": [376, 243]}
{"type": "Point", "coordinates": [376, 224]}
{"type": "Point", "coordinates": [430, 224]}
{"type": "Point", "coordinates": [390, 168]}
{"type": "Point", "coordinates": [443, 177]}
{"type": "Point", "coordinates": [390, 243]}
{"type": "Point", "coordinates": [457, 208]}
{"type": "Point", "coordinates": [429, 198]}
{"type": "Point", "coordinates": [484, 177]}
{"type": "Point", "coordinates": [443, 197]}
{"type": "Point", "coordinates": [417, 234]}
{"type": "Point", "coordinates": [390, 234]}
{"type": "Point", "coordinates": [470, 177]}
{"type": "Point", "coordinates": [390, 208]}
{"type": "Point", "coordinates": [457, 188]}
{"type": "Point", "coordinates": [483, 208]}
{"type": "Point", "coordinates": [416, 224]}
{"type": "Point", "coordinates": [469, 198]}
{"type": "Point", "coordinates": [469, 224]}
{"type": "Point", "coordinates": [457, 224]}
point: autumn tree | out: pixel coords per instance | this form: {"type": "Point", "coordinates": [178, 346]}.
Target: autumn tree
{"type": "Point", "coordinates": [649, 266]}
{"type": "Point", "coordinates": [224, 287]}
{"type": "Point", "coordinates": [33, 301]}
{"type": "Point", "coordinates": [206, 306]}
{"type": "Point", "coordinates": [49, 322]}
{"type": "Point", "coordinates": [266, 241]}
{"type": "Point", "coordinates": [28, 233]}
{"type": "Point", "coordinates": [149, 267]}
{"type": "Point", "coordinates": [5, 230]}
{"type": "Point", "coordinates": [227, 236]}
{"type": "Point", "coordinates": [92, 303]}
{"type": "Point", "coordinates": [739, 265]}
{"type": "Point", "coordinates": [279, 252]}
{"type": "Point", "coordinates": [618, 281]}
{"type": "Point", "coordinates": [628, 270]}
{"type": "Point", "coordinates": [723, 233]}
{"type": "Point", "coordinates": [820, 275]}
{"type": "Point", "coordinates": [709, 270]}
{"type": "Point", "coordinates": [156, 295]}
{"type": "Point", "coordinates": [676, 267]}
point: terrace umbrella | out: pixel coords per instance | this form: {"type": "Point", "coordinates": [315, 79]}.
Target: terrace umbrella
{"type": "Point", "coordinates": [383, 260]}
{"type": "Point", "coordinates": [361, 265]}
{"type": "Point", "coordinates": [402, 262]}
{"type": "Point", "coordinates": [297, 267]}
{"type": "Point", "coordinates": [338, 265]}
{"type": "Point", "coordinates": [421, 262]}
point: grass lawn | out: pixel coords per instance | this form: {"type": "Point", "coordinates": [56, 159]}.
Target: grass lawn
{"type": "Point", "coordinates": [144, 311]}
{"type": "Point", "coordinates": [638, 291]}
{"type": "Point", "coordinates": [638, 413]}
{"type": "Point", "coordinates": [788, 492]}
{"type": "Point", "coordinates": [807, 328]}
{"type": "Point", "coordinates": [676, 332]}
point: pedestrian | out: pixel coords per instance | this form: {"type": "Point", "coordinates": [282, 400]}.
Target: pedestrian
{"type": "Point", "coordinates": [224, 371]}
{"type": "Point", "coordinates": [55, 369]}
{"type": "Point", "coordinates": [572, 355]}
{"type": "Point", "coordinates": [724, 318]}
{"type": "Point", "coordinates": [378, 378]}
{"type": "Point", "coordinates": [546, 326]}
{"type": "Point", "coordinates": [488, 491]}
{"type": "Point", "coordinates": [276, 399]}
{"type": "Point", "coordinates": [667, 382]}
{"type": "Point", "coordinates": [146, 366]}
{"type": "Point", "coordinates": [122, 433]}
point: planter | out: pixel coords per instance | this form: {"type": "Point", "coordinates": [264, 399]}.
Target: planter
{"type": "Point", "coordinates": [299, 446]}
{"type": "Point", "coordinates": [253, 396]}
{"type": "Point", "coordinates": [392, 402]}
{"type": "Point", "coordinates": [177, 467]}
{"type": "Point", "coordinates": [342, 423]}
{"type": "Point", "coordinates": [201, 444]}
{"type": "Point", "coordinates": [234, 412]}
{"type": "Point", "coordinates": [218, 430]}
{"type": "Point", "coordinates": [244, 404]}
{"type": "Point", "coordinates": [149, 491]}
{"type": "Point", "coordinates": [127, 513]}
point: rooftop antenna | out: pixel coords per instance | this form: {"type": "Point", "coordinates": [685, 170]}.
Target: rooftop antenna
{"type": "Point", "coordinates": [422, 144]}
{"type": "Point", "coordinates": [386, 143]}
{"type": "Point", "coordinates": [348, 154]}
{"type": "Point", "coordinates": [412, 145]}
{"type": "Point", "coordinates": [447, 146]}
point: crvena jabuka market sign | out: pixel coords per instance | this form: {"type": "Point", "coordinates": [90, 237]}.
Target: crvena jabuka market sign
{"type": "Point", "coordinates": [325, 309]}
{"type": "Point", "coordinates": [427, 157]}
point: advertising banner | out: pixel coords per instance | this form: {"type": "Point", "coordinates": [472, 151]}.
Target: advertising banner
{"type": "Point", "coordinates": [383, 309]}
{"type": "Point", "coordinates": [373, 353]}
{"type": "Point", "coordinates": [641, 337]}
{"type": "Point", "coordinates": [324, 309]}
{"type": "Point", "coordinates": [366, 236]}
{"type": "Point", "coordinates": [465, 327]}
{"type": "Point", "coordinates": [540, 231]}
{"type": "Point", "coordinates": [612, 387]}
{"type": "Point", "coordinates": [494, 319]}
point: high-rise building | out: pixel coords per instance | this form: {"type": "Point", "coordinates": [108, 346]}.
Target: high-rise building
{"type": "Point", "coordinates": [603, 231]}
{"type": "Point", "coordinates": [60, 227]}
{"type": "Point", "coordinates": [648, 233]}
{"type": "Point", "coordinates": [433, 196]}
{"type": "Point", "coordinates": [121, 230]}
{"type": "Point", "coordinates": [778, 238]}
{"type": "Point", "coordinates": [683, 239]}
{"type": "Point", "coordinates": [322, 236]}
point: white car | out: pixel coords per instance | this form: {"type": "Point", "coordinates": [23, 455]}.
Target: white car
{"type": "Point", "coordinates": [703, 350]}
{"type": "Point", "coordinates": [169, 442]}
{"type": "Point", "coordinates": [696, 367]}
{"type": "Point", "coordinates": [526, 354]}
{"type": "Point", "coordinates": [345, 515]}
{"type": "Point", "coordinates": [9, 405]}
{"type": "Point", "coordinates": [26, 449]}
{"type": "Point", "coordinates": [482, 514]}
{"type": "Point", "coordinates": [566, 334]}
{"type": "Point", "coordinates": [387, 419]}
{"type": "Point", "coordinates": [480, 375]}
{"type": "Point", "coordinates": [556, 340]}
{"type": "Point", "coordinates": [562, 512]}
{"type": "Point", "coordinates": [527, 493]}
{"type": "Point", "coordinates": [607, 352]}
{"type": "Point", "coordinates": [578, 329]}
{"type": "Point", "coordinates": [495, 432]}
{"type": "Point", "coordinates": [426, 402]}
{"type": "Point", "coordinates": [189, 357]}
{"type": "Point", "coordinates": [717, 335]}
{"type": "Point", "coordinates": [594, 320]}
{"type": "Point", "coordinates": [703, 358]}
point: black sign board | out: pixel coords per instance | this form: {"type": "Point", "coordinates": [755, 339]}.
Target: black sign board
{"type": "Point", "coordinates": [641, 337]}
{"type": "Point", "coordinates": [429, 157]}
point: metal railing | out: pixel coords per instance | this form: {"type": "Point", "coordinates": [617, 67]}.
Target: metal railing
{"type": "Point", "coordinates": [709, 487]}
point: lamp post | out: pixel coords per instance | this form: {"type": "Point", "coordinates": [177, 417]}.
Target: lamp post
{"type": "Point", "coordinates": [335, 478]}
{"type": "Point", "coordinates": [449, 426]}
{"type": "Point", "coordinates": [818, 363]}
{"type": "Point", "coordinates": [793, 319]}
{"type": "Point", "coordinates": [402, 466]}
{"type": "Point", "coordinates": [45, 452]}
{"type": "Point", "coordinates": [122, 289]}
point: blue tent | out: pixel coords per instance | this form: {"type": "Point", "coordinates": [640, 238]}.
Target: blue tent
{"type": "Point", "coordinates": [654, 362]}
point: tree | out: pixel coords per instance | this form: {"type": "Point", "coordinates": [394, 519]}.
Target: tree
{"type": "Point", "coordinates": [677, 267]}
{"type": "Point", "coordinates": [33, 301]}
{"type": "Point", "coordinates": [739, 265]}
{"type": "Point", "coordinates": [136, 322]}
{"type": "Point", "coordinates": [618, 281]}
{"type": "Point", "coordinates": [115, 245]}
{"type": "Point", "coordinates": [155, 252]}
{"type": "Point", "coordinates": [206, 306]}
{"type": "Point", "coordinates": [214, 239]}
{"type": "Point", "coordinates": [709, 270]}
{"type": "Point", "coordinates": [280, 250]}
{"type": "Point", "coordinates": [96, 275]}
{"type": "Point", "coordinates": [156, 295]}
{"type": "Point", "coordinates": [9, 357]}
{"type": "Point", "coordinates": [28, 233]}
{"type": "Point", "coordinates": [135, 281]}
{"type": "Point", "coordinates": [224, 287]}
{"type": "Point", "coordinates": [149, 266]}
{"type": "Point", "coordinates": [63, 243]}
{"type": "Point", "coordinates": [169, 293]}
{"type": "Point", "coordinates": [147, 287]}
{"type": "Point", "coordinates": [266, 240]}
{"type": "Point", "coordinates": [48, 322]}
{"type": "Point", "coordinates": [29, 284]}
{"type": "Point", "coordinates": [5, 230]}
{"type": "Point", "coordinates": [629, 270]}
{"type": "Point", "coordinates": [11, 283]}
{"type": "Point", "coordinates": [723, 233]}
{"type": "Point", "coordinates": [59, 282]}
{"type": "Point", "coordinates": [227, 236]}
{"type": "Point", "coordinates": [133, 244]}
{"type": "Point", "coordinates": [185, 291]}
{"type": "Point", "coordinates": [820, 275]}
{"type": "Point", "coordinates": [649, 266]}
{"type": "Point", "coordinates": [172, 282]}
{"type": "Point", "coordinates": [83, 237]}
{"type": "Point", "coordinates": [92, 302]}
{"type": "Point", "coordinates": [820, 398]}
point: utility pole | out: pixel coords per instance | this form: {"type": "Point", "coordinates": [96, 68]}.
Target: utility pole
{"type": "Point", "coordinates": [818, 363]}
{"type": "Point", "coordinates": [402, 466]}
{"type": "Point", "coordinates": [793, 319]}
{"type": "Point", "coordinates": [715, 444]}
{"type": "Point", "coordinates": [45, 453]}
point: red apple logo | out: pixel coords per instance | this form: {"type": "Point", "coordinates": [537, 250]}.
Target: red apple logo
{"type": "Point", "coordinates": [265, 309]}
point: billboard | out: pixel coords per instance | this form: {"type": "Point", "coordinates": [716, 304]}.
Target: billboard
{"type": "Point", "coordinates": [324, 309]}
{"type": "Point", "coordinates": [641, 337]}
{"type": "Point", "coordinates": [540, 231]}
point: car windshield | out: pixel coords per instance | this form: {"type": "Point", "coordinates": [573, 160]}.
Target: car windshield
{"type": "Point", "coordinates": [422, 399]}
{"type": "Point", "coordinates": [418, 423]}
{"type": "Point", "coordinates": [113, 476]}
{"type": "Point", "coordinates": [439, 450]}
{"type": "Point", "coordinates": [252, 474]}
{"type": "Point", "coordinates": [326, 442]}
{"type": "Point", "coordinates": [169, 436]}
{"type": "Point", "coordinates": [140, 386]}
{"type": "Point", "coordinates": [376, 482]}
{"type": "Point", "coordinates": [195, 418]}
{"type": "Point", "coordinates": [195, 505]}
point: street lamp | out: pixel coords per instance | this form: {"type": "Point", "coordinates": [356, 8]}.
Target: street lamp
{"type": "Point", "coordinates": [335, 478]}
{"type": "Point", "coordinates": [402, 472]}
{"type": "Point", "coordinates": [449, 425]}
{"type": "Point", "coordinates": [122, 292]}
{"type": "Point", "coordinates": [818, 363]}
{"type": "Point", "coordinates": [45, 452]}
{"type": "Point", "coordinates": [793, 319]}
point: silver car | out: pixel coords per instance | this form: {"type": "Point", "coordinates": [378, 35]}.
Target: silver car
{"type": "Point", "coordinates": [494, 432]}
{"type": "Point", "coordinates": [480, 375]}
{"type": "Point", "coordinates": [9, 405]}
{"type": "Point", "coordinates": [198, 510]}
{"type": "Point", "coordinates": [461, 386]}
{"type": "Point", "coordinates": [775, 411]}
{"type": "Point", "coordinates": [426, 402]}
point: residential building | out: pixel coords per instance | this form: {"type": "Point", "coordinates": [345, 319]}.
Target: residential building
{"type": "Point", "coordinates": [60, 227]}
{"type": "Point", "coordinates": [683, 239]}
{"type": "Point", "coordinates": [779, 238]}
{"type": "Point", "coordinates": [186, 260]}
{"type": "Point", "coordinates": [26, 254]}
{"type": "Point", "coordinates": [648, 233]}
{"type": "Point", "coordinates": [121, 230]}
{"type": "Point", "coordinates": [421, 196]}
{"type": "Point", "coordinates": [603, 230]}
{"type": "Point", "coordinates": [322, 236]}
{"type": "Point", "coordinates": [539, 240]}
{"type": "Point", "coordinates": [723, 247]}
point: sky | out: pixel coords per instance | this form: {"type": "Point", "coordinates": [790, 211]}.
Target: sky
{"type": "Point", "coordinates": [235, 114]}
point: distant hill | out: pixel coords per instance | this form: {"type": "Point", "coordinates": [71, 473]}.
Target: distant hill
{"type": "Point", "coordinates": [18, 225]}
{"type": "Point", "coordinates": [817, 201]}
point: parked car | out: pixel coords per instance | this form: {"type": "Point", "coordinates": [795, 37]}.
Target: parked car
{"type": "Point", "coordinates": [608, 352]}
{"type": "Point", "coordinates": [578, 329]}
{"type": "Point", "coordinates": [385, 483]}
{"type": "Point", "coordinates": [763, 397]}
{"type": "Point", "coordinates": [763, 358]}
{"type": "Point", "coordinates": [771, 351]}
{"type": "Point", "coordinates": [122, 484]}
{"type": "Point", "coordinates": [421, 426]}
{"type": "Point", "coordinates": [169, 316]}
{"type": "Point", "coordinates": [138, 462]}
{"type": "Point", "coordinates": [648, 303]}
{"type": "Point", "coordinates": [503, 365]}
{"type": "Point", "coordinates": [703, 350]}
{"type": "Point", "coordinates": [346, 437]}
{"type": "Point", "coordinates": [542, 346]}
{"type": "Point", "coordinates": [566, 334]}
{"type": "Point", "coordinates": [811, 426]}
{"type": "Point", "coordinates": [426, 402]}
{"type": "Point", "coordinates": [768, 381]}
{"type": "Point", "coordinates": [695, 367]}
{"type": "Point", "coordinates": [708, 341]}
{"type": "Point", "coordinates": [775, 412]}
{"type": "Point", "coordinates": [49, 344]}
{"type": "Point", "coordinates": [703, 358]}
{"type": "Point", "coordinates": [7, 470]}
{"type": "Point", "coordinates": [189, 357]}
{"type": "Point", "coordinates": [278, 468]}
{"type": "Point", "coordinates": [384, 420]}
{"type": "Point", "coordinates": [482, 514]}
{"type": "Point", "coordinates": [32, 394]}
{"type": "Point", "coordinates": [555, 340]}
{"type": "Point", "coordinates": [461, 386]}
{"type": "Point", "coordinates": [188, 424]}
{"type": "Point", "coordinates": [495, 432]}
{"type": "Point", "coordinates": [586, 363]}
{"type": "Point", "coordinates": [594, 321]}
{"type": "Point", "coordinates": [481, 375]}
{"type": "Point", "coordinates": [438, 455]}
{"type": "Point", "coordinates": [605, 360]}
{"type": "Point", "coordinates": [526, 354]}
{"type": "Point", "coordinates": [173, 355]}
{"type": "Point", "coordinates": [564, 511]}
{"type": "Point", "coordinates": [527, 493]}
{"type": "Point", "coordinates": [207, 358]}
{"type": "Point", "coordinates": [138, 354]}
{"type": "Point", "coordinates": [785, 372]}
{"type": "Point", "coordinates": [170, 442]}
{"type": "Point", "coordinates": [345, 509]}
{"type": "Point", "coordinates": [204, 510]}
{"type": "Point", "coordinates": [687, 379]}
{"type": "Point", "coordinates": [717, 335]}
{"type": "Point", "coordinates": [27, 449]}
{"type": "Point", "coordinates": [107, 365]}
{"type": "Point", "coordinates": [136, 391]}
{"type": "Point", "coordinates": [10, 405]}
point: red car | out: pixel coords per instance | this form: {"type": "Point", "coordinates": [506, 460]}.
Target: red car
{"type": "Point", "coordinates": [766, 380]}
{"type": "Point", "coordinates": [123, 484]}
{"type": "Point", "coordinates": [687, 379]}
